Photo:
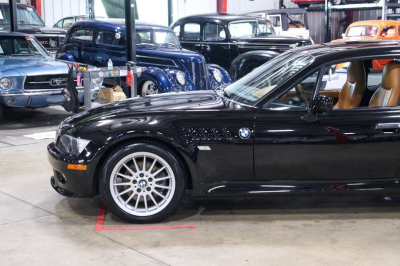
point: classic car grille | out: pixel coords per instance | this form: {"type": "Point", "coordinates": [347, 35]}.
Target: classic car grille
{"type": "Point", "coordinates": [46, 82]}
{"type": "Point", "coordinates": [50, 42]}
{"type": "Point", "coordinates": [199, 74]}
{"type": "Point", "coordinates": [156, 61]}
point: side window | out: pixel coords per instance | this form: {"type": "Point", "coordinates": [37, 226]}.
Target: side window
{"type": "Point", "coordinates": [59, 24]}
{"type": "Point", "coordinates": [82, 34]}
{"type": "Point", "coordinates": [67, 23]}
{"type": "Point", "coordinates": [110, 38]}
{"type": "Point", "coordinates": [299, 95]}
{"type": "Point", "coordinates": [388, 32]}
{"type": "Point", "coordinates": [214, 32]}
{"type": "Point", "coordinates": [275, 20]}
{"type": "Point", "coordinates": [191, 32]}
{"type": "Point", "coordinates": [177, 31]}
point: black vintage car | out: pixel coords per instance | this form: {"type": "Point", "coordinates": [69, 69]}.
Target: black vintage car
{"type": "Point", "coordinates": [221, 37]}
{"type": "Point", "coordinates": [277, 130]}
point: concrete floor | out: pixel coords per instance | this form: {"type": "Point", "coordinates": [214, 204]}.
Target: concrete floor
{"type": "Point", "coordinates": [40, 227]}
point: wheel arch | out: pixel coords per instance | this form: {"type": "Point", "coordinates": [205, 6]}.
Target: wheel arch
{"type": "Point", "coordinates": [162, 143]}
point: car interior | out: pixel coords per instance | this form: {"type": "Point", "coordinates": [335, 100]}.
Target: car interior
{"type": "Point", "coordinates": [353, 86]}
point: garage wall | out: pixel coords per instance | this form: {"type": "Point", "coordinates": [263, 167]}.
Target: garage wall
{"type": "Point", "coordinates": [53, 10]}
{"type": "Point", "coordinates": [182, 8]}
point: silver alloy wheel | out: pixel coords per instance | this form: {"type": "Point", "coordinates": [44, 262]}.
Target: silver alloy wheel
{"type": "Point", "coordinates": [336, 2]}
{"type": "Point", "coordinates": [142, 184]}
{"type": "Point", "coordinates": [149, 88]}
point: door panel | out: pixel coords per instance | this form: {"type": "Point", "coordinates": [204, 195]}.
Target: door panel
{"type": "Point", "coordinates": [342, 144]}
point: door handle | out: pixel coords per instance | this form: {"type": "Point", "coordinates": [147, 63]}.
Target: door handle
{"type": "Point", "coordinates": [388, 127]}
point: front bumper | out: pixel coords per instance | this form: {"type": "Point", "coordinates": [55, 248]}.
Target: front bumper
{"type": "Point", "coordinates": [40, 98]}
{"type": "Point", "coordinates": [71, 183]}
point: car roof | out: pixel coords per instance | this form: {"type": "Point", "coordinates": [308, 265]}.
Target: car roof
{"type": "Point", "coordinates": [113, 23]}
{"type": "Point", "coordinates": [219, 16]}
{"type": "Point", "coordinates": [382, 23]}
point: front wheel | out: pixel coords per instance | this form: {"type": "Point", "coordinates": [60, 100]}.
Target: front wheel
{"type": "Point", "coordinates": [338, 2]}
{"type": "Point", "coordinates": [149, 88]}
{"type": "Point", "coordinates": [142, 182]}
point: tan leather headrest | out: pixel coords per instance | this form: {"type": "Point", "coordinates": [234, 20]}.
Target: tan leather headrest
{"type": "Point", "coordinates": [354, 68]}
{"type": "Point", "coordinates": [391, 75]}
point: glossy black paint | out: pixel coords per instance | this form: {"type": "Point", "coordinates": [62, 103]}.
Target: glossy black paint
{"type": "Point", "coordinates": [224, 52]}
{"type": "Point", "coordinates": [338, 151]}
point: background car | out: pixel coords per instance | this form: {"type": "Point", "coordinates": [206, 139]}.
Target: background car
{"type": "Point", "coordinates": [262, 135]}
{"type": "Point", "coordinates": [286, 21]}
{"type": "Point", "coordinates": [30, 22]}
{"type": "Point", "coordinates": [169, 67]}
{"type": "Point", "coordinates": [66, 23]}
{"type": "Point", "coordinates": [372, 30]}
{"type": "Point", "coordinates": [29, 76]}
{"type": "Point", "coordinates": [221, 37]}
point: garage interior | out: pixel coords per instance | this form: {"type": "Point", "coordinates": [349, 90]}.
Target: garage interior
{"type": "Point", "coordinates": [40, 227]}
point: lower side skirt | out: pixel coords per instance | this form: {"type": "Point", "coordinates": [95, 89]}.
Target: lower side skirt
{"type": "Point", "coordinates": [295, 187]}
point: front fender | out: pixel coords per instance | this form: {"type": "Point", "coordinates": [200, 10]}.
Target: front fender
{"type": "Point", "coordinates": [226, 78]}
{"type": "Point", "coordinates": [165, 80]}
{"type": "Point", "coordinates": [245, 63]}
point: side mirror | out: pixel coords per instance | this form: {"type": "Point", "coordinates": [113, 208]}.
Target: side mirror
{"type": "Point", "coordinates": [323, 103]}
{"type": "Point", "coordinates": [343, 35]}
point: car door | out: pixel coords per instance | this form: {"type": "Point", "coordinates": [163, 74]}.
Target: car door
{"type": "Point", "coordinates": [342, 144]}
{"type": "Point", "coordinates": [109, 45]}
{"type": "Point", "coordinates": [190, 36]}
{"type": "Point", "coordinates": [215, 46]}
{"type": "Point", "coordinates": [80, 45]}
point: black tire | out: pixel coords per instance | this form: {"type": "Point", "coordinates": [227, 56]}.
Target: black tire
{"type": "Point", "coordinates": [1, 111]}
{"type": "Point", "coordinates": [143, 195]}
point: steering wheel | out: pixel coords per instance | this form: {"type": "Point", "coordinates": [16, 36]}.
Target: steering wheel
{"type": "Point", "coordinates": [300, 93]}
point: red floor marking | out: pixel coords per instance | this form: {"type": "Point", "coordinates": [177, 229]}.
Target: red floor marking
{"type": "Point", "coordinates": [102, 214]}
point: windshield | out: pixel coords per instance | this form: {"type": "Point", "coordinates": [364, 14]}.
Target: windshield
{"type": "Point", "coordinates": [21, 45]}
{"type": "Point", "coordinates": [254, 86]}
{"type": "Point", "coordinates": [250, 28]}
{"type": "Point", "coordinates": [159, 38]}
{"type": "Point", "coordinates": [366, 30]}
{"type": "Point", "coordinates": [25, 16]}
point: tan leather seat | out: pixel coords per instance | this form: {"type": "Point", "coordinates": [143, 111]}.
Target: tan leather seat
{"type": "Point", "coordinates": [388, 93]}
{"type": "Point", "coordinates": [352, 91]}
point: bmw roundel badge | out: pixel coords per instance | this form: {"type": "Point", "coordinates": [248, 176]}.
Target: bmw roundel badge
{"type": "Point", "coordinates": [244, 133]}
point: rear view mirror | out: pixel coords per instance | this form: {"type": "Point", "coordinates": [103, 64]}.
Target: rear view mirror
{"type": "Point", "coordinates": [323, 103]}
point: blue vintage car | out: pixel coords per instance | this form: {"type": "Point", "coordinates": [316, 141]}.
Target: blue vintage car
{"type": "Point", "coordinates": [29, 76]}
{"type": "Point", "coordinates": [169, 67]}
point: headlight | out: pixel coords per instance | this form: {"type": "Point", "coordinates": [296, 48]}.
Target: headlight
{"type": "Point", "coordinates": [217, 75]}
{"type": "Point", "coordinates": [180, 77]}
{"type": "Point", "coordinates": [71, 145]}
{"type": "Point", "coordinates": [6, 83]}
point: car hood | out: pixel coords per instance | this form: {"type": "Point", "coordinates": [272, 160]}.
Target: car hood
{"type": "Point", "coordinates": [277, 38]}
{"type": "Point", "coordinates": [32, 64]}
{"type": "Point", "coordinates": [160, 104]}
{"type": "Point", "coordinates": [34, 29]}
{"type": "Point", "coordinates": [170, 52]}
